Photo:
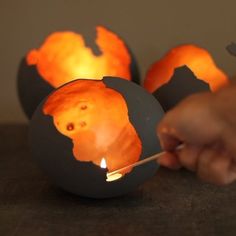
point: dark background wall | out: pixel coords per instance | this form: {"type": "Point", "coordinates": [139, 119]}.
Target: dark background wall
{"type": "Point", "coordinates": [150, 27]}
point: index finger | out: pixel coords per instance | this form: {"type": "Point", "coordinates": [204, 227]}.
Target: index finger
{"type": "Point", "coordinates": [168, 137]}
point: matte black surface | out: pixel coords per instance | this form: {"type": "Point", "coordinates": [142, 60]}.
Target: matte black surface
{"type": "Point", "coordinates": [53, 151]}
{"type": "Point", "coordinates": [32, 89]}
{"type": "Point", "coordinates": [169, 204]}
{"type": "Point", "coordinates": [182, 84]}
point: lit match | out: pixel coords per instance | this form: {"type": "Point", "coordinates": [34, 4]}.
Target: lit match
{"type": "Point", "coordinates": [115, 175]}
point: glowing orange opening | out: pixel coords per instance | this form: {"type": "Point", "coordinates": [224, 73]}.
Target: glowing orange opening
{"type": "Point", "coordinates": [95, 118]}
{"type": "Point", "coordinates": [196, 58]}
{"type": "Point", "coordinates": [64, 57]}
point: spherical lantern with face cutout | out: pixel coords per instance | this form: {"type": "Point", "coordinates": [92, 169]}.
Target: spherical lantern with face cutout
{"type": "Point", "coordinates": [65, 56]}
{"type": "Point", "coordinates": [87, 128]}
{"type": "Point", "coordinates": [182, 71]}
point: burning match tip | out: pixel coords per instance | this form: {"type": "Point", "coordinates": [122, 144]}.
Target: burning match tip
{"type": "Point", "coordinates": [114, 175]}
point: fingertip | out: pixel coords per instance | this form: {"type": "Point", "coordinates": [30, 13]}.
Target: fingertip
{"type": "Point", "coordinates": [168, 141]}
{"type": "Point", "coordinates": [168, 136]}
{"type": "Point", "coordinates": [170, 161]}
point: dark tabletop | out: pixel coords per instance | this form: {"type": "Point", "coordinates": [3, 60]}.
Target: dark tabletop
{"type": "Point", "coordinates": [171, 203]}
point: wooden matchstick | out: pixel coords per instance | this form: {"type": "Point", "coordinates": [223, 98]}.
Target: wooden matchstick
{"type": "Point", "coordinates": [141, 162]}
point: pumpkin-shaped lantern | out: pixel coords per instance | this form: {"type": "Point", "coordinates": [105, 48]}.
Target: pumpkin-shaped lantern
{"type": "Point", "coordinates": [64, 56]}
{"type": "Point", "coordinates": [184, 70]}
{"type": "Point", "coordinates": [88, 124]}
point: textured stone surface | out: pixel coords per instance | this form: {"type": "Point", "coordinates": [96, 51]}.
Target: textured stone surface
{"type": "Point", "coordinates": [171, 203]}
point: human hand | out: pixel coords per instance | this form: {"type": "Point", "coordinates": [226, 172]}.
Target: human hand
{"type": "Point", "coordinates": [206, 124]}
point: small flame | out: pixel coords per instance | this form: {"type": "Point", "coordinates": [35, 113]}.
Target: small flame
{"type": "Point", "coordinates": [103, 163]}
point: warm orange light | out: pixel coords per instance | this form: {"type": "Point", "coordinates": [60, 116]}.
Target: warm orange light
{"type": "Point", "coordinates": [196, 58]}
{"type": "Point", "coordinates": [64, 57]}
{"type": "Point", "coordinates": [96, 119]}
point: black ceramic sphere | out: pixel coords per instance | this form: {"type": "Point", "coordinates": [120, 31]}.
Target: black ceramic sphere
{"type": "Point", "coordinates": [53, 151]}
{"type": "Point", "coordinates": [32, 88]}
{"type": "Point", "coordinates": [182, 84]}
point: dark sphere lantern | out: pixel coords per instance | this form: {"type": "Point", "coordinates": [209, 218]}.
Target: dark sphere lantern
{"type": "Point", "coordinates": [184, 70]}
{"type": "Point", "coordinates": [65, 56]}
{"type": "Point", "coordinates": [87, 128]}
